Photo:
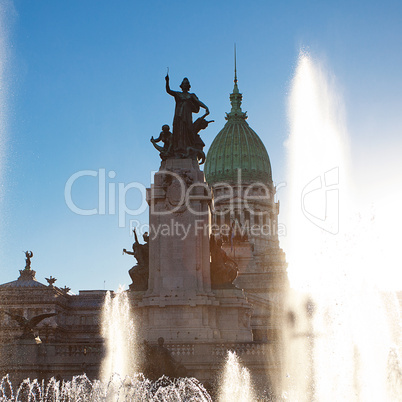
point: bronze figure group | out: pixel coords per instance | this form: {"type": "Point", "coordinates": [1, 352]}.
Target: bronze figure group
{"type": "Point", "coordinates": [185, 141]}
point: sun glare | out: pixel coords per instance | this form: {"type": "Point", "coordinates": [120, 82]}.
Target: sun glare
{"type": "Point", "coordinates": [337, 252]}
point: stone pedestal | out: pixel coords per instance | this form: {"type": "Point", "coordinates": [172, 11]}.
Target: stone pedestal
{"type": "Point", "coordinates": [179, 232]}
{"type": "Point", "coordinates": [233, 315]}
{"type": "Point", "coordinates": [180, 305]}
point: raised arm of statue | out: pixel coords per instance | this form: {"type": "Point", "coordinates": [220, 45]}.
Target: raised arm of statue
{"type": "Point", "coordinates": [168, 90]}
{"type": "Point", "coordinates": [135, 236]}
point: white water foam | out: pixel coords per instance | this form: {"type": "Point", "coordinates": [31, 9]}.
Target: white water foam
{"type": "Point", "coordinates": [118, 331]}
{"type": "Point", "coordinates": [235, 384]}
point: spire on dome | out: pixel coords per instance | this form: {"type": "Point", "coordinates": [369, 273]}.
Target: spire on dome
{"type": "Point", "coordinates": [235, 77]}
{"type": "Point", "coordinates": [236, 97]}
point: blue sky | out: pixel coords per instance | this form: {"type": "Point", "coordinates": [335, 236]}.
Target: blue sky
{"type": "Point", "coordinates": [83, 89]}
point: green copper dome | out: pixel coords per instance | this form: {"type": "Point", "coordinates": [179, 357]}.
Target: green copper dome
{"type": "Point", "coordinates": [237, 146]}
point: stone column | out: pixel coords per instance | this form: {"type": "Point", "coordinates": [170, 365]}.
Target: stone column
{"type": "Point", "coordinates": [176, 305]}
{"type": "Point", "coordinates": [179, 231]}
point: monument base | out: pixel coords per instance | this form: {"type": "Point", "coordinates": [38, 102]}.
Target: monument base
{"type": "Point", "coordinates": [224, 315]}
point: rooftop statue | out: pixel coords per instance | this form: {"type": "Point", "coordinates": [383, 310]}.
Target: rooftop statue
{"type": "Point", "coordinates": [28, 255]}
{"type": "Point", "coordinates": [51, 281]}
{"type": "Point", "coordinates": [184, 142]}
{"type": "Point", "coordinates": [27, 274]}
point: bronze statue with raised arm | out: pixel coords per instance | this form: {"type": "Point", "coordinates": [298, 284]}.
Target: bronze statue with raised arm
{"type": "Point", "coordinates": [139, 273]}
{"type": "Point", "coordinates": [28, 255]}
{"type": "Point", "coordinates": [186, 143]}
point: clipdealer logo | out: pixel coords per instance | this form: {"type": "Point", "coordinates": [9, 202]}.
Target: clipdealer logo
{"type": "Point", "coordinates": [320, 201]}
{"type": "Point", "coordinates": [106, 196]}
{"type": "Point", "coordinates": [112, 197]}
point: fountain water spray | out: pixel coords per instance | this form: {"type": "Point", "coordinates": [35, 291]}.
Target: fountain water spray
{"type": "Point", "coordinates": [235, 382]}
{"type": "Point", "coordinates": [118, 330]}
{"type": "Point", "coordinates": [80, 388]}
{"type": "Point", "coordinates": [342, 332]}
